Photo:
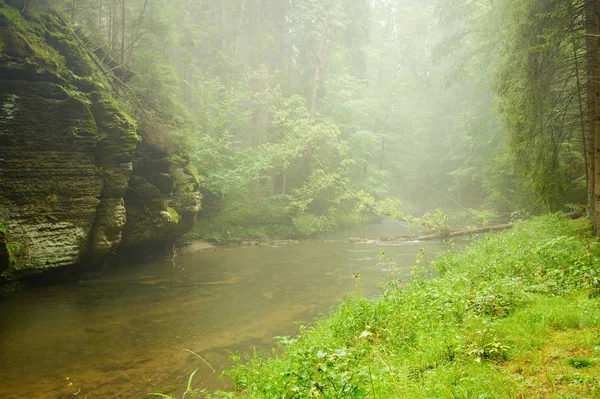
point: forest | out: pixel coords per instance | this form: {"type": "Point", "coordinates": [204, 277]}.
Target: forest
{"type": "Point", "coordinates": [298, 117]}
{"type": "Point", "coordinates": [297, 199]}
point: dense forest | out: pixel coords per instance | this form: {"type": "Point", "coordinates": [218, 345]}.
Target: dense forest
{"type": "Point", "coordinates": [297, 116]}
{"type": "Point", "coordinates": [175, 177]}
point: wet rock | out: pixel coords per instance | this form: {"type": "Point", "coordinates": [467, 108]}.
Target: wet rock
{"type": "Point", "coordinates": [75, 181]}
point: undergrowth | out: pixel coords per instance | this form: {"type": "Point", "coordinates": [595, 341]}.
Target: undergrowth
{"type": "Point", "coordinates": [514, 316]}
{"type": "Point", "coordinates": [268, 219]}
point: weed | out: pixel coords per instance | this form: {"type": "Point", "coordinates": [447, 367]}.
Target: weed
{"type": "Point", "coordinates": [580, 363]}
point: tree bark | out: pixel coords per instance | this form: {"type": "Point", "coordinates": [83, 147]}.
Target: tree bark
{"type": "Point", "coordinates": [122, 52]}
{"type": "Point", "coordinates": [592, 12]}
{"type": "Point", "coordinates": [584, 133]}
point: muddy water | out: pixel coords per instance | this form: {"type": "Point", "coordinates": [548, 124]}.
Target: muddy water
{"type": "Point", "coordinates": [123, 334]}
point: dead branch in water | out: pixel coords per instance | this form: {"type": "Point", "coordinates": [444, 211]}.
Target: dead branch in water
{"type": "Point", "coordinates": [201, 358]}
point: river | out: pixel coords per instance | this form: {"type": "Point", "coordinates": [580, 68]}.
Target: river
{"type": "Point", "coordinates": [123, 334]}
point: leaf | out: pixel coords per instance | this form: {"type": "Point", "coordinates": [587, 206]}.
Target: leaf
{"type": "Point", "coordinates": [365, 334]}
{"type": "Point", "coordinates": [189, 386]}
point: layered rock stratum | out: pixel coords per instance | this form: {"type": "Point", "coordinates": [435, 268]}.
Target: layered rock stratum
{"type": "Point", "coordinates": [77, 180]}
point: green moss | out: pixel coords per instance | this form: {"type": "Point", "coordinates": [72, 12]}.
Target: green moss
{"type": "Point", "coordinates": [9, 107]}
{"type": "Point", "coordinates": [12, 248]}
{"type": "Point", "coordinates": [24, 41]}
{"type": "Point", "coordinates": [174, 214]}
{"type": "Point", "coordinates": [62, 40]}
{"type": "Point", "coordinates": [72, 92]}
{"type": "Point", "coordinates": [11, 15]}
{"type": "Point", "coordinates": [116, 117]}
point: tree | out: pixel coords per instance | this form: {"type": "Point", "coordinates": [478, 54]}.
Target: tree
{"type": "Point", "coordinates": [592, 15]}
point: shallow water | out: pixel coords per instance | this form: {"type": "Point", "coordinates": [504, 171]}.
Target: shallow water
{"type": "Point", "coordinates": [123, 334]}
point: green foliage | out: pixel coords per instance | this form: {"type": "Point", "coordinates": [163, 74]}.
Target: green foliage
{"type": "Point", "coordinates": [20, 39]}
{"type": "Point", "coordinates": [580, 363]}
{"type": "Point", "coordinates": [267, 219]}
{"type": "Point", "coordinates": [541, 106]}
{"type": "Point", "coordinates": [174, 215]}
{"type": "Point", "coordinates": [252, 220]}
{"type": "Point", "coordinates": [13, 249]}
{"type": "Point", "coordinates": [217, 94]}
{"type": "Point", "coordinates": [526, 143]}
{"type": "Point", "coordinates": [392, 118]}
{"type": "Point", "coordinates": [189, 391]}
{"type": "Point", "coordinates": [438, 222]}
{"type": "Point", "coordinates": [448, 336]}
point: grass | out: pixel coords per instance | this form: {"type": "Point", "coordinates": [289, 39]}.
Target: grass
{"type": "Point", "coordinates": [517, 315]}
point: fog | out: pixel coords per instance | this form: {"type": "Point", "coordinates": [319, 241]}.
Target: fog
{"type": "Point", "coordinates": [184, 179]}
{"type": "Point", "coordinates": [308, 107]}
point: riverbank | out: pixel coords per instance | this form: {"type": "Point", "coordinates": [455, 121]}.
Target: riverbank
{"type": "Point", "coordinates": [244, 226]}
{"type": "Point", "coordinates": [516, 315]}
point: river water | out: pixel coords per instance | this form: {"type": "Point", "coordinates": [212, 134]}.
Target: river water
{"type": "Point", "coordinates": [123, 334]}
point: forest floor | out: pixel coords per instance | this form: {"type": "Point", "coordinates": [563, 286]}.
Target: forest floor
{"type": "Point", "coordinates": [517, 315]}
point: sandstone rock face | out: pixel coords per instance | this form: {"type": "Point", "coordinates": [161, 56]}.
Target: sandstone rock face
{"type": "Point", "coordinates": [75, 182]}
{"type": "Point", "coordinates": [162, 201]}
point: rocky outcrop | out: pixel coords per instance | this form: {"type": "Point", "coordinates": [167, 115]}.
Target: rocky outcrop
{"type": "Point", "coordinates": [162, 201]}
{"type": "Point", "coordinates": [76, 180]}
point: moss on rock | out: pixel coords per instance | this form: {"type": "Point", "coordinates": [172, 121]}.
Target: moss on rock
{"type": "Point", "coordinates": [76, 181]}
{"type": "Point", "coordinates": [52, 185]}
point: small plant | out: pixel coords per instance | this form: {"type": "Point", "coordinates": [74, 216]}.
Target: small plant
{"type": "Point", "coordinates": [438, 222]}
{"type": "Point", "coordinates": [174, 215]}
{"type": "Point", "coordinates": [390, 265]}
{"type": "Point", "coordinates": [189, 392]}
{"type": "Point", "coordinates": [486, 347]}
{"type": "Point", "coordinates": [580, 363]}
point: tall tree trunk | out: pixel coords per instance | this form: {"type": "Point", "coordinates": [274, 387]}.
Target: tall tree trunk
{"type": "Point", "coordinates": [318, 79]}
{"type": "Point", "coordinates": [592, 12]}
{"type": "Point", "coordinates": [122, 52]}
{"type": "Point", "coordinates": [100, 2]}
{"type": "Point", "coordinates": [240, 27]}
{"type": "Point", "coordinates": [584, 135]}
{"type": "Point", "coordinates": [284, 182]}
{"type": "Point", "coordinates": [224, 25]}
{"type": "Point", "coordinates": [113, 27]}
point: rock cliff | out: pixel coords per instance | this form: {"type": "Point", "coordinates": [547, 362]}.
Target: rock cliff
{"type": "Point", "coordinates": [77, 181]}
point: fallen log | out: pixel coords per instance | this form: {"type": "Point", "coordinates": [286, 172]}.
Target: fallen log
{"type": "Point", "coordinates": [431, 237]}
{"type": "Point", "coordinates": [465, 233]}
{"type": "Point", "coordinates": [453, 234]}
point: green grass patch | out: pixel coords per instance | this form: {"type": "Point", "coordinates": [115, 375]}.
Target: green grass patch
{"type": "Point", "coordinates": [580, 363]}
{"type": "Point", "coordinates": [513, 316]}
